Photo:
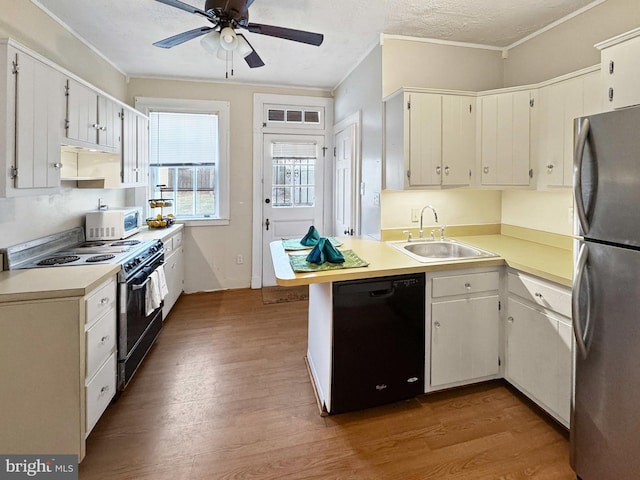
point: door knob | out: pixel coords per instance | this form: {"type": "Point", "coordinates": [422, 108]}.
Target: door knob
{"type": "Point", "coordinates": [267, 200]}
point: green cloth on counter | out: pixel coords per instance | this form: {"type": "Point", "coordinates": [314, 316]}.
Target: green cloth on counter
{"type": "Point", "coordinates": [294, 243]}
{"type": "Point", "coordinates": [325, 252]}
{"type": "Point", "coordinates": [351, 260]}
{"type": "Point", "coordinates": [311, 238]}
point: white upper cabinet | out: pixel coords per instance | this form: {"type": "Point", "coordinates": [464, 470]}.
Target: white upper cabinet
{"type": "Point", "coordinates": [429, 139]}
{"type": "Point", "coordinates": [559, 104]}
{"type": "Point", "coordinates": [32, 106]}
{"type": "Point", "coordinates": [505, 125]}
{"type": "Point", "coordinates": [621, 70]}
{"type": "Point", "coordinates": [458, 139]}
{"type": "Point", "coordinates": [425, 139]}
{"type": "Point", "coordinates": [93, 120]}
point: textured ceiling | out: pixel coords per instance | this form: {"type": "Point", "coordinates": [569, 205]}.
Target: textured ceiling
{"type": "Point", "coordinates": [123, 31]}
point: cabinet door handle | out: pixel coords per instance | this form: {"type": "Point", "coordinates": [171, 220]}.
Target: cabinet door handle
{"type": "Point", "coordinates": [103, 391]}
{"type": "Point", "coordinates": [438, 169]}
{"type": "Point", "coordinates": [436, 324]}
{"type": "Point", "coordinates": [510, 319]}
{"type": "Point", "coordinates": [104, 339]}
{"type": "Point", "coordinates": [57, 165]}
{"type": "Point", "coordinates": [446, 170]}
{"type": "Point", "coordinates": [467, 286]}
{"type": "Point", "coordinates": [485, 170]}
{"type": "Point", "coordinates": [538, 295]}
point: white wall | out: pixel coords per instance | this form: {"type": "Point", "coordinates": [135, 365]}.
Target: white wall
{"type": "Point", "coordinates": [547, 211]}
{"type": "Point", "coordinates": [361, 92]}
{"type": "Point", "coordinates": [211, 251]}
{"type": "Point", "coordinates": [416, 63]}
{"type": "Point", "coordinates": [454, 207]}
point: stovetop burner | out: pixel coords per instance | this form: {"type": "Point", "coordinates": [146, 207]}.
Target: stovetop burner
{"type": "Point", "coordinates": [58, 260]}
{"type": "Point", "coordinates": [92, 244]}
{"type": "Point", "coordinates": [125, 242]}
{"type": "Point", "coordinates": [100, 258]}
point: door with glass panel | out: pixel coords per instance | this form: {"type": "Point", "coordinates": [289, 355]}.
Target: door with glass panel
{"type": "Point", "coordinates": [292, 191]}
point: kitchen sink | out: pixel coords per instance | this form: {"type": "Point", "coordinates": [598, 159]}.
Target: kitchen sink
{"type": "Point", "coordinates": [439, 250]}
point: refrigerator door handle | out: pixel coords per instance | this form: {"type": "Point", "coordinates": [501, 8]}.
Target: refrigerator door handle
{"type": "Point", "coordinates": [583, 127]}
{"type": "Point", "coordinates": [579, 333]}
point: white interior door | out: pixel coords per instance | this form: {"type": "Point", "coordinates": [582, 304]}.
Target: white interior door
{"type": "Point", "coordinates": [292, 194]}
{"type": "Point", "coordinates": [344, 218]}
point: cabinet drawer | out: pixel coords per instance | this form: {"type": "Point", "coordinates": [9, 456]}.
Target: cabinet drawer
{"type": "Point", "coordinates": [99, 391]}
{"type": "Point", "coordinates": [464, 284]}
{"type": "Point", "coordinates": [168, 246]}
{"type": "Point", "coordinates": [177, 240]}
{"type": "Point", "coordinates": [542, 293]}
{"type": "Point", "coordinates": [100, 301]}
{"type": "Point", "coordinates": [101, 341]}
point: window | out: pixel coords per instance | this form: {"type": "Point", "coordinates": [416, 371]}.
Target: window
{"type": "Point", "coordinates": [293, 178]}
{"type": "Point", "coordinates": [188, 157]}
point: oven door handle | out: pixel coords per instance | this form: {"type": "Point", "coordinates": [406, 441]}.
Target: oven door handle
{"type": "Point", "coordinates": [143, 284]}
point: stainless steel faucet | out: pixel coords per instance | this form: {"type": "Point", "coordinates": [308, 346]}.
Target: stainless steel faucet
{"type": "Point", "coordinates": [435, 215]}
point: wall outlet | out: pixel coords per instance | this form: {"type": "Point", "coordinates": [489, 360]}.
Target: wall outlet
{"type": "Point", "coordinates": [239, 259]}
{"type": "Point", "coordinates": [376, 198]}
{"type": "Point", "coordinates": [415, 215]}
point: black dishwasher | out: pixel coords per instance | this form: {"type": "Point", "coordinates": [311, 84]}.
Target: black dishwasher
{"type": "Point", "coordinates": [378, 341]}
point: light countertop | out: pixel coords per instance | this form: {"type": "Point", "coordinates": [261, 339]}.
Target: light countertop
{"type": "Point", "coordinates": [551, 263]}
{"type": "Point", "coordinates": [55, 282]}
{"type": "Point", "coordinates": [147, 233]}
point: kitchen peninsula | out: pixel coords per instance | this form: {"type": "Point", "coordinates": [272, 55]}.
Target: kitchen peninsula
{"type": "Point", "coordinates": [483, 318]}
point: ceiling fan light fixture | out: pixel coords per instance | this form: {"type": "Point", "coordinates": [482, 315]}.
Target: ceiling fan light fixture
{"type": "Point", "coordinates": [211, 42]}
{"type": "Point", "coordinates": [228, 38]}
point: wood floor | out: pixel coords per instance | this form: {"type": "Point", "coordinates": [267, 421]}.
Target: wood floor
{"type": "Point", "coordinates": [225, 394]}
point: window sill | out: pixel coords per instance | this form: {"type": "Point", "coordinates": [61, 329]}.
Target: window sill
{"type": "Point", "coordinates": [204, 222]}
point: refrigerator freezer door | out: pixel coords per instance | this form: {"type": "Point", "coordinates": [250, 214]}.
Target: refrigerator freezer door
{"type": "Point", "coordinates": [605, 422]}
{"type": "Point", "coordinates": [609, 177]}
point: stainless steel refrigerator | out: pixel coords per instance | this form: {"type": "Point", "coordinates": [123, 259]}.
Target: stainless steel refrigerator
{"type": "Point", "coordinates": [605, 416]}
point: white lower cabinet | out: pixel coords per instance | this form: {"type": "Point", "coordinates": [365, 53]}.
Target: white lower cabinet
{"type": "Point", "coordinates": [463, 328]}
{"type": "Point", "coordinates": [539, 343]}
{"type": "Point", "coordinates": [100, 345]}
{"type": "Point", "coordinates": [173, 270]}
{"type": "Point", "coordinates": [62, 373]}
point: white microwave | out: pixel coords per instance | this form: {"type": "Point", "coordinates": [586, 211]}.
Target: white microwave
{"type": "Point", "coordinates": [113, 224]}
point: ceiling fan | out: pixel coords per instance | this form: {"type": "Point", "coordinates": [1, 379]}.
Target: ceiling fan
{"type": "Point", "coordinates": [226, 16]}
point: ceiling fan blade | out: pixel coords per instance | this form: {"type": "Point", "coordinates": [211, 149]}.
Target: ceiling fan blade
{"type": "Point", "coordinates": [287, 33]}
{"type": "Point", "coordinates": [182, 37]}
{"type": "Point", "coordinates": [184, 6]}
{"type": "Point", "coordinates": [253, 59]}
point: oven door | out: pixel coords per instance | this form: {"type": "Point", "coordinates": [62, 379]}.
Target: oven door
{"type": "Point", "coordinates": [138, 329]}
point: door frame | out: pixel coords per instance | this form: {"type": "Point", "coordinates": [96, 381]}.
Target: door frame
{"type": "Point", "coordinates": [259, 130]}
{"type": "Point", "coordinates": [355, 119]}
